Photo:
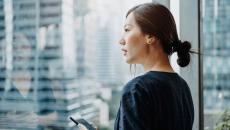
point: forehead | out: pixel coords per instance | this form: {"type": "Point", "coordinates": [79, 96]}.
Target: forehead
{"type": "Point", "coordinates": [130, 19]}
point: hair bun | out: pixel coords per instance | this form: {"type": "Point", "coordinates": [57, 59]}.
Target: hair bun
{"type": "Point", "coordinates": [183, 53]}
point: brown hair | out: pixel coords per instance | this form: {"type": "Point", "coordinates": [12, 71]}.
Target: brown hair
{"type": "Point", "coordinates": [156, 20]}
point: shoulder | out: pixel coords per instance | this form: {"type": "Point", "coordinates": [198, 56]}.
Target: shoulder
{"type": "Point", "coordinates": [140, 84]}
{"type": "Point", "coordinates": [153, 82]}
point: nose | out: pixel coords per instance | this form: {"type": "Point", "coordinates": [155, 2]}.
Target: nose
{"type": "Point", "coordinates": [122, 41]}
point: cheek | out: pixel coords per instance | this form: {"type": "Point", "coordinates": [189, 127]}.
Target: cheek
{"type": "Point", "coordinates": [139, 51]}
{"type": "Point", "coordinates": [136, 47]}
{"type": "Point", "coordinates": [135, 55]}
{"type": "Point", "coordinates": [136, 43]}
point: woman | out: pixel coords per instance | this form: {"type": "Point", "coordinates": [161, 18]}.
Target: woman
{"type": "Point", "coordinates": [159, 99]}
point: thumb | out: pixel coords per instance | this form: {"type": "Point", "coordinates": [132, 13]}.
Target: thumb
{"type": "Point", "coordinates": [82, 127]}
{"type": "Point", "coordinates": [93, 125]}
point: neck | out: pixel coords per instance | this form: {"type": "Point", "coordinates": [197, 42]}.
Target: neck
{"type": "Point", "coordinates": [157, 62]}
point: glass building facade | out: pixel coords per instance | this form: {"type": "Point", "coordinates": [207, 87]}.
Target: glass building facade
{"type": "Point", "coordinates": [216, 59]}
{"type": "Point", "coordinates": [38, 73]}
{"type": "Point", "coordinates": [58, 58]}
{"type": "Point", "coordinates": [216, 34]}
{"type": "Point", "coordinates": [2, 47]}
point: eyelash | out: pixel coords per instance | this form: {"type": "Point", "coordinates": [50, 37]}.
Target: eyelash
{"type": "Point", "coordinates": [126, 30]}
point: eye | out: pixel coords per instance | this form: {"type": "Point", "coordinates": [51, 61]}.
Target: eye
{"type": "Point", "coordinates": [126, 30]}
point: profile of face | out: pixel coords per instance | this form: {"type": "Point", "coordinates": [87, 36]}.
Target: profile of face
{"type": "Point", "coordinates": [133, 41]}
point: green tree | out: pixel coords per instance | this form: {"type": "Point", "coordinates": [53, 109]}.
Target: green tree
{"type": "Point", "coordinates": [223, 122]}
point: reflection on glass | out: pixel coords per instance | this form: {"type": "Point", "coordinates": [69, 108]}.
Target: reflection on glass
{"type": "Point", "coordinates": [20, 91]}
{"type": "Point", "coordinates": [216, 64]}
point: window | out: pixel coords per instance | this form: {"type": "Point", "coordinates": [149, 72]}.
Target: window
{"type": "Point", "coordinates": [216, 62]}
{"type": "Point", "coordinates": [61, 63]}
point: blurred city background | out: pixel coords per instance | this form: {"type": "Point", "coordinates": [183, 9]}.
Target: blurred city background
{"type": "Point", "coordinates": [215, 37]}
{"type": "Point", "coordinates": [61, 58]}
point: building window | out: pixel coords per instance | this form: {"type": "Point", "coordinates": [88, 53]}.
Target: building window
{"type": "Point", "coordinates": [216, 60]}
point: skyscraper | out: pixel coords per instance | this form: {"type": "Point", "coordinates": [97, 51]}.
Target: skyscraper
{"type": "Point", "coordinates": [43, 72]}
{"type": "Point", "coordinates": [2, 47]}
{"type": "Point", "coordinates": [216, 60]}
{"type": "Point", "coordinates": [216, 32]}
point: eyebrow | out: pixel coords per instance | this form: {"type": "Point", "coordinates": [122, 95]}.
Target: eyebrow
{"type": "Point", "coordinates": [127, 25]}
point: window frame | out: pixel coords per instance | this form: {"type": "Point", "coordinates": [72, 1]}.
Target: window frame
{"type": "Point", "coordinates": [190, 19]}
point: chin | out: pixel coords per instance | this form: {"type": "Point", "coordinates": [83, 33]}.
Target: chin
{"type": "Point", "coordinates": [126, 60]}
{"type": "Point", "coordinates": [129, 61]}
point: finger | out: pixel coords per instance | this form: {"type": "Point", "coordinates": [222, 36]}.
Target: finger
{"type": "Point", "coordinates": [94, 126]}
{"type": "Point", "coordinates": [82, 127]}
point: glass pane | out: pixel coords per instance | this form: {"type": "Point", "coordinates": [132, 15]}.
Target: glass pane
{"type": "Point", "coordinates": [216, 61]}
{"type": "Point", "coordinates": [60, 58]}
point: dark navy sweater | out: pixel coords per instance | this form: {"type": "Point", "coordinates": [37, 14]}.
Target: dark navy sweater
{"type": "Point", "coordinates": [156, 101]}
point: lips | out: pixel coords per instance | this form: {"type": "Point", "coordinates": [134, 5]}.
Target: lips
{"type": "Point", "coordinates": [125, 51]}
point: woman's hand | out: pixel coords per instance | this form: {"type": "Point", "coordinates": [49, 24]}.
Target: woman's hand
{"type": "Point", "coordinates": [82, 127]}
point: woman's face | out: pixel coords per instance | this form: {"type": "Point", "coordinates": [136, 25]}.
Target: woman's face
{"type": "Point", "coordinates": [133, 41]}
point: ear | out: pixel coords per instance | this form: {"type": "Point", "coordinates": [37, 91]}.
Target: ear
{"type": "Point", "coordinates": [150, 39]}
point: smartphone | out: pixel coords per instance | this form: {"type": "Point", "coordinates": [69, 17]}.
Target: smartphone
{"type": "Point", "coordinates": [83, 122]}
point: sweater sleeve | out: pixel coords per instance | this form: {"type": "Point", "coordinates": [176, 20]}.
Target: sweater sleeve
{"type": "Point", "coordinates": [133, 109]}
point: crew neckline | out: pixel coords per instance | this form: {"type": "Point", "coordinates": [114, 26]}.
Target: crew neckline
{"type": "Point", "coordinates": [161, 72]}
